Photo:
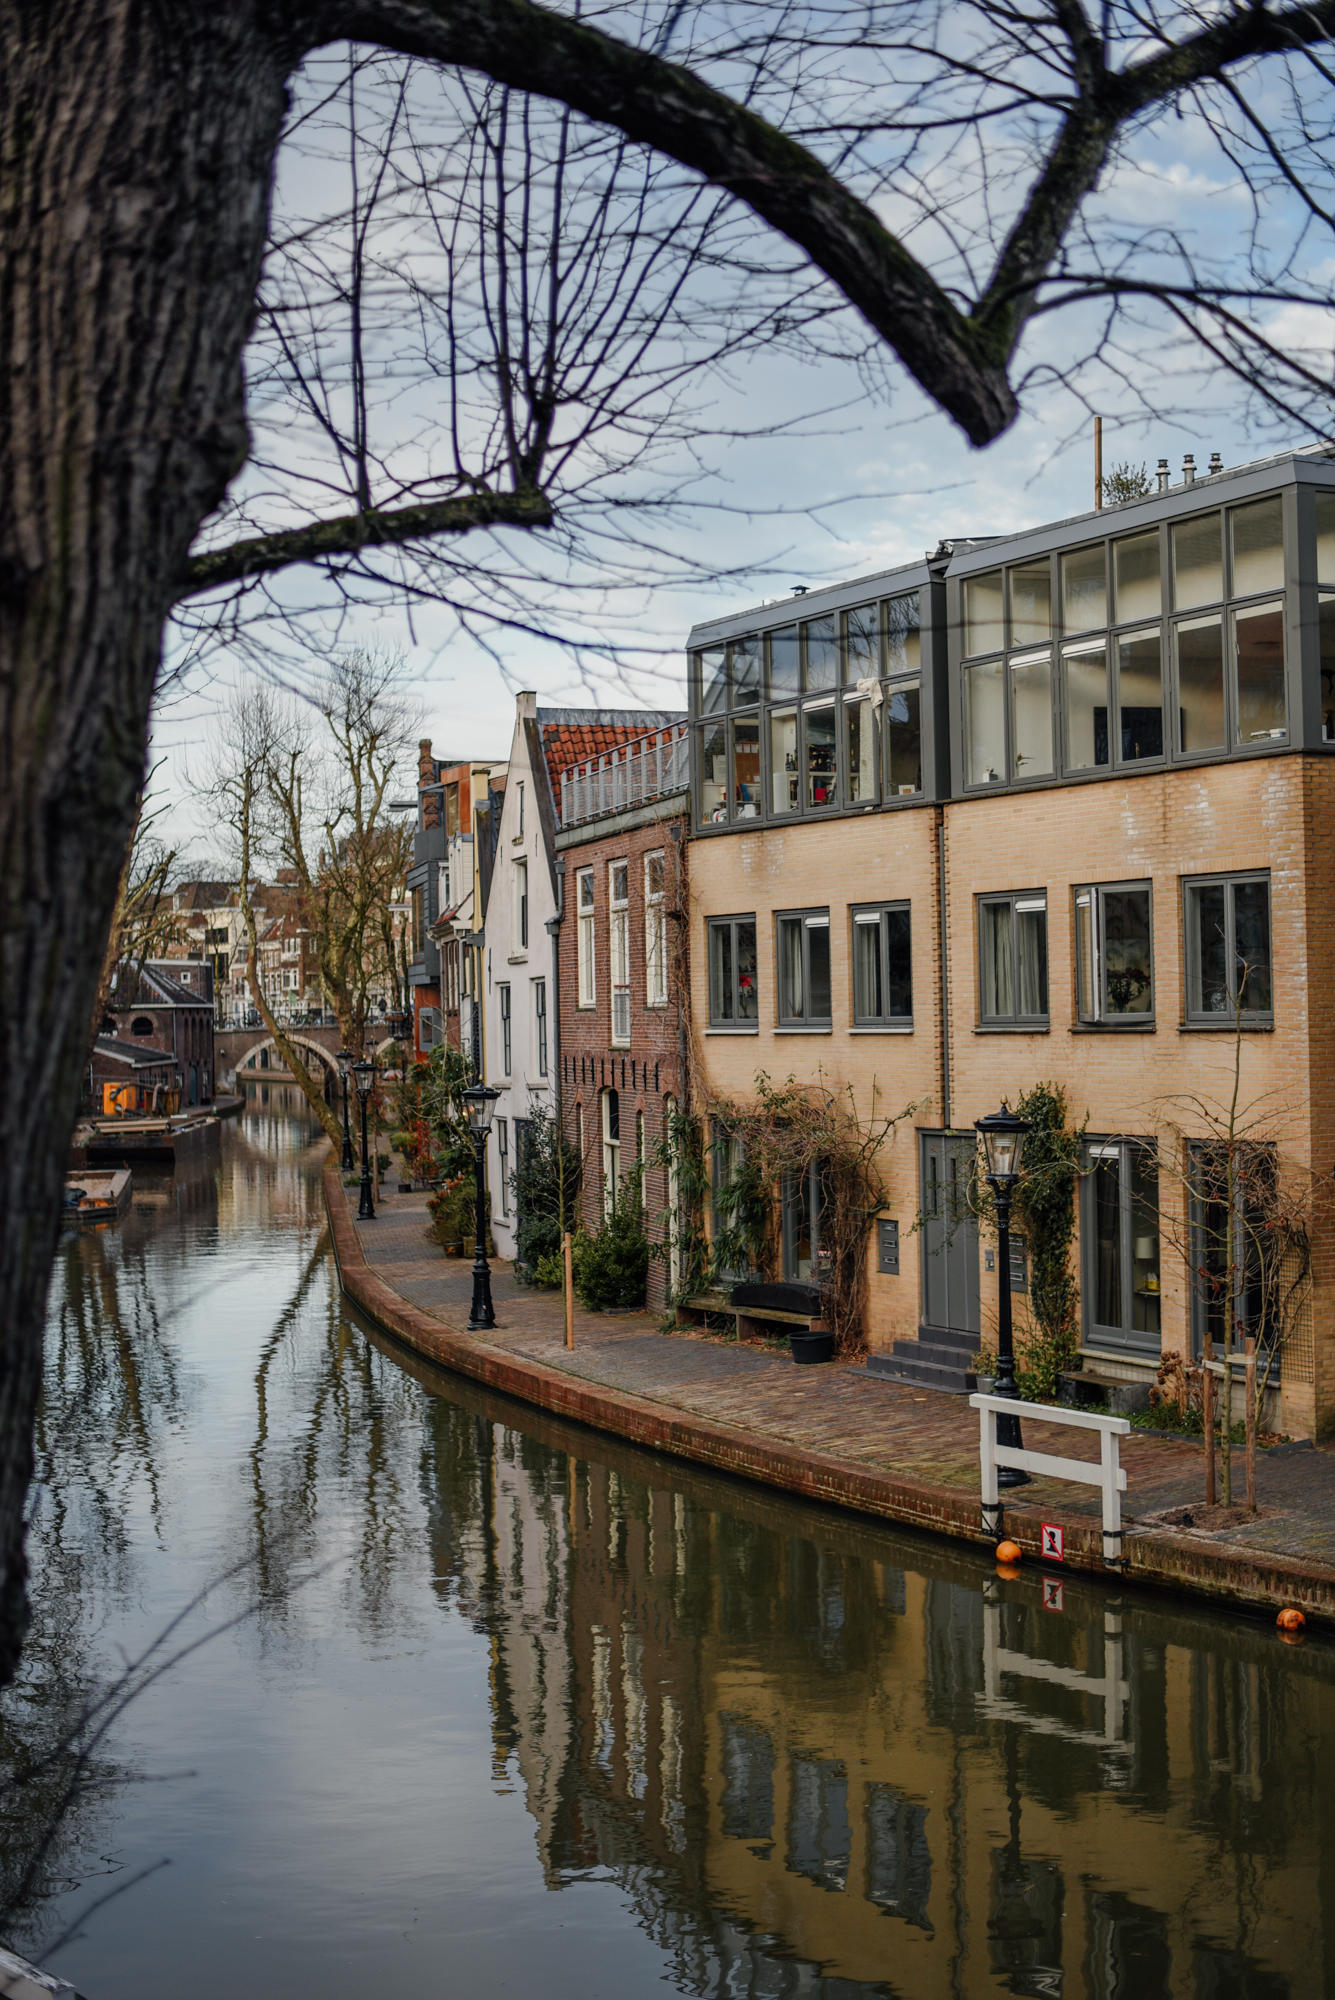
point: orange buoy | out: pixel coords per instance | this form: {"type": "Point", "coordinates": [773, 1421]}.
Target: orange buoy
{"type": "Point", "coordinates": [1292, 1638]}
{"type": "Point", "coordinates": [1009, 1571]}
{"type": "Point", "coordinates": [1290, 1619]}
{"type": "Point", "coordinates": [1009, 1552]}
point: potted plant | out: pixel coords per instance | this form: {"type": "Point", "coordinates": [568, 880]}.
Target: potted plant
{"type": "Point", "coordinates": [984, 1365]}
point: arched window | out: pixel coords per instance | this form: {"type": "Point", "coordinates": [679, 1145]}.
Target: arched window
{"type": "Point", "coordinates": [611, 1149]}
{"type": "Point", "coordinates": [141, 1025]}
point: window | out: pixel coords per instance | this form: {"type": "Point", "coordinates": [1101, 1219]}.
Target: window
{"type": "Point", "coordinates": [1258, 650]}
{"type": "Point", "coordinates": [1085, 671]}
{"type": "Point", "coordinates": [584, 942]}
{"type": "Point", "coordinates": [611, 1103]}
{"type": "Point", "coordinates": [862, 644]}
{"type": "Point", "coordinates": [1031, 603]}
{"type": "Point", "coordinates": [783, 760]}
{"type": "Point", "coordinates": [803, 946]}
{"type": "Point", "coordinates": [618, 882]}
{"type": "Point", "coordinates": [902, 621]}
{"type": "Point", "coordinates": [903, 739]}
{"type": "Point", "coordinates": [521, 906]}
{"type": "Point", "coordinates": [727, 1157]}
{"type": "Point", "coordinates": [1198, 570]}
{"type": "Point", "coordinates": [1233, 1238]}
{"type": "Point", "coordinates": [1200, 684]}
{"type": "Point", "coordinates": [712, 666]}
{"type": "Point", "coordinates": [1114, 954]}
{"type": "Point", "coordinates": [859, 750]}
{"type": "Point", "coordinates": [882, 971]}
{"type": "Point", "coordinates": [1013, 959]}
{"type": "Point", "coordinates": [503, 994]}
{"type": "Point", "coordinates": [984, 621]}
{"type": "Point", "coordinates": [1140, 694]}
{"type": "Point", "coordinates": [503, 1149]}
{"type": "Point", "coordinates": [802, 1197]}
{"type": "Point", "coordinates": [1228, 949]}
{"type": "Point", "coordinates": [655, 931]}
{"type": "Point", "coordinates": [985, 724]}
{"type": "Point", "coordinates": [540, 1024]}
{"type": "Point", "coordinates": [1137, 585]}
{"type": "Point", "coordinates": [712, 763]}
{"type": "Point", "coordinates": [821, 646]}
{"type": "Point", "coordinates": [785, 667]}
{"type": "Point", "coordinates": [417, 906]}
{"type": "Point", "coordinates": [732, 972]}
{"type": "Point", "coordinates": [818, 732]}
{"type": "Point", "coordinates": [744, 663]}
{"type": "Point", "coordinates": [745, 770]}
{"type": "Point", "coordinates": [1031, 715]}
{"type": "Point", "coordinates": [1084, 590]}
{"type": "Point", "coordinates": [1120, 1229]}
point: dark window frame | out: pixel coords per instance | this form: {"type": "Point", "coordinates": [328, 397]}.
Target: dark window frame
{"type": "Point", "coordinates": [1198, 1016]}
{"type": "Point", "coordinates": [1012, 899]}
{"type": "Point", "coordinates": [540, 1024]}
{"type": "Point", "coordinates": [861, 915]}
{"type": "Point", "coordinates": [736, 1023]}
{"type": "Point", "coordinates": [815, 918]}
{"type": "Point", "coordinates": [1103, 1018]}
{"type": "Point", "coordinates": [507, 1025]}
{"type": "Point", "coordinates": [1140, 1341]}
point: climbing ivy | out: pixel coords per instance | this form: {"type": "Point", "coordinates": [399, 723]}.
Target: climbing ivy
{"type": "Point", "coordinates": [1043, 1210]}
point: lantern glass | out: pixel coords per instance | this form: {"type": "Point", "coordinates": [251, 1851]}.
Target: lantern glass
{"type": "Point", "coordinates": [364, 1074]}
{"type": "Point", "coordinates": [481, 1102]}
{"type": "Point", "coordinates": [344, 1061]}
{"type": "Point", "coordinates": [1003, 1135]}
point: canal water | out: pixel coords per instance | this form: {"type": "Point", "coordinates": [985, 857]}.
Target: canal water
{"type": "Point", "coordinates": [397, 1688]}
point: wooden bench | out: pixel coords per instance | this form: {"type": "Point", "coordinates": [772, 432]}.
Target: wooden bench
{"type": "Point", "coordinates": [749, 1318]}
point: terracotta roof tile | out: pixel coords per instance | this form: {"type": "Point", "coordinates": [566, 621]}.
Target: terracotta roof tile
{"type": "Point", "coordinates": [566, 742]}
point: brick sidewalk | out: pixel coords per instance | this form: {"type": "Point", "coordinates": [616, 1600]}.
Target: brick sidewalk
{"type": "Point", "coordinates": [912, 1437]}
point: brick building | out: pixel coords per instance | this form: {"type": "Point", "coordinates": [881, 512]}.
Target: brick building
{"type": "Point", "coordinates": [457, 806]}
{"type": "Point", "coordinates": [621, 859]}
{"type": "Point", "coordinates": [166, 1007]}
{"type": "Point", "coordinates": [1054, 807]}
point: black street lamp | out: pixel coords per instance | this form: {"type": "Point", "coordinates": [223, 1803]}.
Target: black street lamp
{"type": "Point", "coordinates": [481, 1101]}
{"type": "Point", "coordinates": [1002, 1134]}
{"type": "Point", "coordinates": [364, 1075]}
{"type": "Point", "coordinates": [344, 1061]}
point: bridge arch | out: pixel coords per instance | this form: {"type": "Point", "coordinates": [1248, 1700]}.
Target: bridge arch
{"type": "Point", "coordinates": [318, 1057]}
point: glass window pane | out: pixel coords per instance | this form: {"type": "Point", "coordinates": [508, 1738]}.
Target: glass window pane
{"type": "Point", "coordinates": [899, 968]}
{"type": "Point", "coordinates": [1198, 574]}
{"type": "Point", "coordinates": [867, 1000]}
{"type": "Point", "coordinates": [1108, 1239]}
{"type": "Point", "coordinates": [819, 724]}
{"type": "Point", "coordinates": [1257, 535]}
{"type": "Point", "coordinates": [792, 992]}
{"type": "Point", "coordinates": [745, 949]}
{"type": "Point", "coordinates": [1031, 697]}
{"type": "Point", "coordinates": [1084, 590]}
{"type": "Point", "coordinates": [903, 724]}
{"type": "Point", "coordinates": [1144, 1169]}
{"type": "Point", "coordinates": [1251, 941]}
{"type": "Point", "coordinates": [713, 743]}
{"type": "Point", "coordinates": [1209, 942]}
{"type": "Point", "coordinates": [1031, 941]}
{"type": "Point", "coordinates": [983, 614]}
{"type": "Point", "coordinates": [783, 761]}
{"type": "Point", "coordinates": [822, 649]}
{"type": "Point", "coordinates": [784, 665]}
{"type": "Point", "coordinates": [1139, 695]}
{"type": "Point", "coordinates": [997, 982]}
{"type": "Point", "coordinates": [1326, 627]}
{"type": "Point", "coordinates": [746, 670]}
{"type": "Point", "coordinates": [860, 777]}
{"type": "Point", "coordinates": [818, 971]}
{"type": "Point", "coordinates": [862, 653]}
{"type": "Point", "coordinates": [1258, 635]}
{"type": "Point", "coordinates": [1325, 537]}
{"type": "Point", "coordinates": [1136, 577]}
{"type": "Point", "coordinates": [1031, 604]}
{"type": "Point", "coordinates": [1086, 674]}
{"type": "Point", "coordinates": [985, 725]}
{"type": "Point", "coordinates": [721, 989]}
{"type": "Point", "coordinates": [713, 679]}
{"type": "Point", "coordinates": [1084, 955]}
{"type": "Point", "coordinates": [746, 770]}
{"type": "Point", "coordinates": [1200, 684]}
{"type": "Point", "coordinates": [903, 639]}
{"type": "Point", "coordinates": [1127, 964]}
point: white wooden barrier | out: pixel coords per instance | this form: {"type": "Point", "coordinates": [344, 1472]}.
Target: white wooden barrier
{"type": "Point", "coordinates": [1107, 1474]}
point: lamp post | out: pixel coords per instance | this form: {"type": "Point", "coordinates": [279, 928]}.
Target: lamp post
{"type": "Point", "coordinates": [344, 1061]}
{"type": "Point", "coordinates": [364, 1075]}
{"type": "Point", "coordinates": [480, 1099]}
{"type": "Point", "coordinates": [1002, 1134]}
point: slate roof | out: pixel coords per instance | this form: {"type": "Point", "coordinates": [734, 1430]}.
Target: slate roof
{"type": "Point", "coordinates": [133, 1053]}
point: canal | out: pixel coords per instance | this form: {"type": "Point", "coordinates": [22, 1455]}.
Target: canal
{"type": "Point", "coordinates": [434, 1695]}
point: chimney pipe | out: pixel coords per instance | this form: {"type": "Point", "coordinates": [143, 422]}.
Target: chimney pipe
{"type": "Point", "coordinates": [1216, 462]}
{"type": "Point", "coordinates": [1189, 470]}
{"type": "Point", "coordinates": [1161, 473]}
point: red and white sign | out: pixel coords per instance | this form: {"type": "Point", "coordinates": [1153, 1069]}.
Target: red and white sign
{"type": "Point", "coordinates": [1054, 1594]}
{"type": "Point", "coordinates": [1052, 1547]}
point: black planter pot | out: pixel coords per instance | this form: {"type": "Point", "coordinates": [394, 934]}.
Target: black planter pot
{"type": "Point", "coordinates": [812, 1347]}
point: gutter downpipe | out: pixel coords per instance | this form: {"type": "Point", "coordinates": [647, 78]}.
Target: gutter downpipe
{"type": "Point", "coordinates": [943, 951]}
{"type": "Point", "coordinates": [553, 928]}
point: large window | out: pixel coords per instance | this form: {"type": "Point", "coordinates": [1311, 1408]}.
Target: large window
{"type": "Point", "coordinates": [902, 710]}
{"type": "Point", "coordinates": [1232, 1207]}
{"type": "Point", "coordinates": [585, 941]}
{"type": "Point", "coordinates": [802, 1196]}
{"type": "Point", "coordinates": [802, 941]}
{"type": "Point", "coordinates": [1013, 960]}
{"type": "Point", "coordinates": [882, 968]}
{"type": "Point", "coordinates": [1120, 1231]}
{"type": "Point", "coordinates": [611, 1110]}
{"type": "Point", "coordinates": [1114, 954]}
{"type": "Point", "coordinates": [655, 931]}
{"type": "Point", "coordinates": [1227, 925]}
{"type": "Point", "coordinates": [503, 999]}
{"type": "Point", "coordinates": [732, 972]}
{"type": "Point", "coordinates": [618, 949]}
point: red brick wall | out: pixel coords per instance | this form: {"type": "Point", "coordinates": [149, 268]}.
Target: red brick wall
{"type": "Point", "coordinates": [649, 1070]}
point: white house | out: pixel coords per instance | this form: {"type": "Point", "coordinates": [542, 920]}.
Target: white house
{"type": "Point", "coordinates": [520, 997]}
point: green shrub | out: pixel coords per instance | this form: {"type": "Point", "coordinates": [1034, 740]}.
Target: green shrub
{"type": "Point", "coordinates": [549, 1273]}
{"type": "Point", "coordinates": [545, 1184]}
{"type": "Point", "coordinates": [612, 1267]}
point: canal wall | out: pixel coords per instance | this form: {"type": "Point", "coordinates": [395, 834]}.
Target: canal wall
{"type": "Point", "coordinates": [1255, 1579]}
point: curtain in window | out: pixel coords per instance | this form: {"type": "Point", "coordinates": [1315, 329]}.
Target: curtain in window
{"type": "Point", "coordinates": [998, 961]}
{"type": "Point", "coordinates": [1031, 937]}
{"type": "Point", "coordinates": [867, 969]}
{"type": "Point", "coordinates": [1108, 1241]}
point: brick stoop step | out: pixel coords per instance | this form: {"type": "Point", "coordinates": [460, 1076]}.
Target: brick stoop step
{"type": "Point", "coordinates": [937, 1359]}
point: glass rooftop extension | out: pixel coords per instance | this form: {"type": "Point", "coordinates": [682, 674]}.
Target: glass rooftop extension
{"type": "Point", "coordinates": [1191, 626]}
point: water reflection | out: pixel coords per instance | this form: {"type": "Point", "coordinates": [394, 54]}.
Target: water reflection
{"type": "Point", "coordinates": [801, 1756]}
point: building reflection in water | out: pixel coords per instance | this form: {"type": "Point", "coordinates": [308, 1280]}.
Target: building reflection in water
{"type": "Point", "coordinates": [814, 1771]}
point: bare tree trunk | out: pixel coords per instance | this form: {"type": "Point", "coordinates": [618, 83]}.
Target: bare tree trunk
{"type": "Point", "coordinates": [136, 145]}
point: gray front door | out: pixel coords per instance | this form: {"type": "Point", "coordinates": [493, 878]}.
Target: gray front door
{"type": "Point", "coordinates": [949, 1233]}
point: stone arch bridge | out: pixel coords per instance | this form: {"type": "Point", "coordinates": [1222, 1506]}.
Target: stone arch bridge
{"type": "Point", "coordinates": [251, 1053]}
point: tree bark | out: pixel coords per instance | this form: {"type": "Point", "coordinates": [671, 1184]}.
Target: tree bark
{"type": "Point", "coordinates": [136, 149]}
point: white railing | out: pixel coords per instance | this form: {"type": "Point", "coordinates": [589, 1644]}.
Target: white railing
{"type": "Point", "coordinates": [1110, 1688]}
{"type": "Point", "coordinates": [648, 767]}
{"type": "Point", "coordinates": [1107, 1474]}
